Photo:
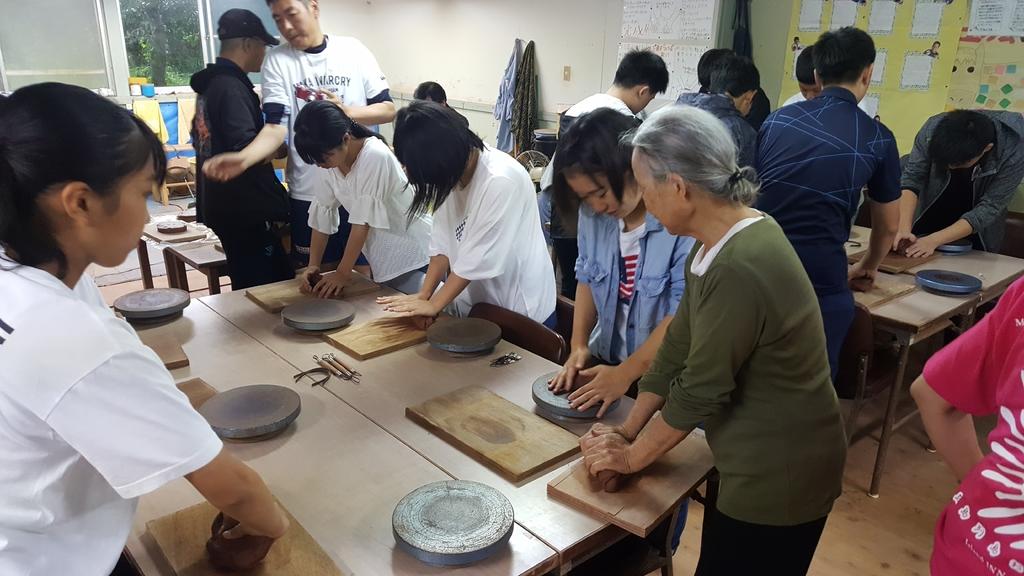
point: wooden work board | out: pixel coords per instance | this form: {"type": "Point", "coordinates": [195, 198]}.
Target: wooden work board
{"type": "Point", "coordinates": [377, 337]}
{"type": "Point", "coordinates": [276, 297]}
{"type": "Point", "coordinates": [182, 537]}
{"type": "Point", "coordinates": [495, 432]}
{"type": "Point", "coordinates": [645, 499]}
{"type": "Point", "coordinates": [887, 287]}
{"type": "Point", "coordinates": [197, 391]}
{"type": "Point", "coordinates": [894, 263]}
{"type": "Point", "coordinates": [166, 347]}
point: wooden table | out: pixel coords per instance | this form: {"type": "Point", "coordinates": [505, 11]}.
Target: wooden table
{"type": "Point", "coordinates": [202, 257]}
{"type": "Point", "coordinates": [411, 376]}
{"type": "Point", "coordinates": [339, 474]}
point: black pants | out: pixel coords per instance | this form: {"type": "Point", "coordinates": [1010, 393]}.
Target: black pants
{"type": "Point", "coordinates": [566, 252]}
{"type": "Point", "coordinates": [255, 254]}
{"type": "Point", "coordinates": [731, 547]}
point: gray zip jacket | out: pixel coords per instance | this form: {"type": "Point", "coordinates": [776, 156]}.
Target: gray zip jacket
{"type": "Point", "coordinates": [995, 178]}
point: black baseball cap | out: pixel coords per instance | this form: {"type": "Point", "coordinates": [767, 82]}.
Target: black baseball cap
{"type": "Point", "coordinates": [241, 23]}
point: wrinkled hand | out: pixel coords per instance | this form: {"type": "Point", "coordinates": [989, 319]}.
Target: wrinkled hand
{"type": "Point", "coordinates": [331, 285]}
{"type": "Point", "coordinates": [861, 279]}
{"type": "Point", "coordinates": [566, 377]}
{"type": "Point", "coordinates": [224, 167]}
{"type": "Point", "coordinates": [600, 429]}
{"type": "Point", "coordinates": [408, 306]}
{"type": "Point", "coordinates": [607, 452]}
{"type": "Point", "coordinates": [923, 248]}
{"type": "Point", "coordinates": [309, 278]}
{"type": "Point", "coordinates": [606, 384]}
{"type": "Point", "coordinates": [902, 240]}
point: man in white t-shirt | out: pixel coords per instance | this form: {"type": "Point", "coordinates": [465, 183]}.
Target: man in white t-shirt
{"type": "Point", "coordinates": [310, 66]}
{"type": "Point", "coordinates": [810, 87]}
{"type": "Point", "coordinates": [640, 77]}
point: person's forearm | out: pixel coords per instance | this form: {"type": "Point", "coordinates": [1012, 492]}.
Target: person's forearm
{"type": "Point", "coordinates": [265, 145]}
{"type": "Point", "coordinates": [885, 220]}
{"type": "Point", "coordinates": [656, 439]}
{"type": "Point", "coordinates": [584, 317]}
{"type": "Point", "coordinates": [436, 271]}
{"type": "Point", "coordinates": [317, 246]}
{"type": "Point", "coordinates": [950, 430]}
{"type": "Point", "coordinates": [908, 205]}
{"type": "Point", "coordinates": [453, 286]}
{"type": "Point", "coordinates": [353, 247]}
{"type": "Point", "coordinates": [644, 407]}
{"type": "Point", "coordinates": [642, 358]}
{"type": "Point", "coordinates": [236, 490]}
{"type": "Point", "coordinates": [379, 113]}
{"type": "Point", "coordinates": [958, 230]}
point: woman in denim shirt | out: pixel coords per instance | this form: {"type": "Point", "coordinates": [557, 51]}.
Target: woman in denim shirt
{"type": "Point", "coordinates": [623, 304]}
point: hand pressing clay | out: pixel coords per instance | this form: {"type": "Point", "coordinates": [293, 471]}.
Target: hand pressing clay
{"type": "Point", "coordinates": [609, 481]}
{"type": "Point", "coordinates": [238, 554]}
{"type": "Point", "coordinates": [862, 284]}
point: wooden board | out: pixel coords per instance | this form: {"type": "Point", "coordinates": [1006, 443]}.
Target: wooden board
{"type": "Point", "coordinates": [189, 235]}
{"type": "Point", "coordinates": [197, 390]}
{"type": "Point", "coordinates": [276, 297]}
{"type": "Point", "coordinates": [166, 347]}
{"type": "Point", "coordinates": [647, 498]}
{"type": "Point", "coordinates": [182, 538]}
{"type": "Point", "coordinates": [495, 432]}
{"type": "Point", "coordinates": [377, 337]}
{"type": "Point", "coordinates": [887, 287]}
{"type": "Point", "coordinates": [895, 263]}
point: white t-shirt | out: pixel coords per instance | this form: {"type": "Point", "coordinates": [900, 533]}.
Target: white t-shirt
{"type": "Point", "coordinates": [799, 97]}
{"type": "Point", "coordinates": [290, 77]}
{"type": "Point", "coordinates": [376, 193]}
{"type": "Point", "coordinates": [703, 258]}
{"type": "Point", "coordinates": [490, 231]}
{"type": "Point", "coordinates": [89, 421]}
{"type": "Point", "coordinates": [587, 105]}
{"type": "Point", "coordinates": [629, 254]}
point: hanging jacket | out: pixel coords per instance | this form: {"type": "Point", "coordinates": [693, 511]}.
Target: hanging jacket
{"type": "Point", "coordinates": [506, 99]}
{"type": "Point", "coordinates": [524, 112]}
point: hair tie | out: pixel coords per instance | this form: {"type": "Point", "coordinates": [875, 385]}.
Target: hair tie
{"type": "Point", "coordinates": [736, 176]}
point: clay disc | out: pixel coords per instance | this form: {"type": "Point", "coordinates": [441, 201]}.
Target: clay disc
{"type": "Point", "coordinates": [948, 283]}
{"type": "Point", "coordinates": [453, 523]}
{"type": "Point", "coordinates": [171, 227]}
{"type": "Point", "coordinates": [318, 315]}
{"type": "Point", "coordinates": [248, 412]}
{"type": "Point", "coordinates": [464, 335]}
{"type": "Point", "coordinates": [959, 247]}
{"type": "Point", "coordinates": [152, 304]}
{"type": "Point", "coordinates": [558, 404]}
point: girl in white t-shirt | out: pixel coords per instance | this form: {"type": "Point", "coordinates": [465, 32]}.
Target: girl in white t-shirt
{"type": "Point", "coordinates": [487, 244]}
{"type": "Point", "coordinates": [366, 179]}
{"type": "Point", "coordinates": [90, 420]}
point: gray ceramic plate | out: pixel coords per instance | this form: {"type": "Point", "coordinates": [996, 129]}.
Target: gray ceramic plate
{"type": "Point", "coordinates": [464, 335]}
{"type": "Point", "coordinates": [453, 523]}
{"type": "Point", "coordinates": [317, 315]}
{"type": "Point", "coordinates": [258, 411]}
{"type": "Point", "coordinates": [558, 404]}
{"type": "Point", "coordinates": [153, 303]}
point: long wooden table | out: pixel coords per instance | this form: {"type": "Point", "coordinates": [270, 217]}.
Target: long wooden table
{"type": "Point", "coordinates": [338, 473]}
{"type": "Point", "coordinates": [392, 382]}
{"type": "Point", "coordinates": [919, 315]}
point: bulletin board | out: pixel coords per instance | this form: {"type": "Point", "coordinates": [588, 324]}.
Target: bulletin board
{"type": "Point", "coordinates": [679, 31]}
{"type": "Point", "coordinates": [916, 44]}
{"type": "Point", "coordinates": [988, 72]}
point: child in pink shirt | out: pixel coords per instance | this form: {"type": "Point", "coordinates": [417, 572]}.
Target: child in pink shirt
{"type": "Point", "coordinates": [981, 530]}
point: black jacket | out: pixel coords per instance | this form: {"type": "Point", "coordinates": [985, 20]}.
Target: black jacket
{"type": "Point", "coordinates": [228, 117]}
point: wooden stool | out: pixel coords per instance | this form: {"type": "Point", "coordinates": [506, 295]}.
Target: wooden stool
{"type": "Point", "coordinates": [204, 258]}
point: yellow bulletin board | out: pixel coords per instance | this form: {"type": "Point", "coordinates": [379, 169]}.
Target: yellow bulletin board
{"type": "Point", "coordinates": [988, 73]}
{"type": "Point", "coordinates": [916, 44]}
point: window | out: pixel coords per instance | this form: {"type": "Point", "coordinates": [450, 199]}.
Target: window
{"type": "Point", "coordinates": [163, 40]}
{"type": "Point", "coordinates": [214, 9]}
{"type": "Point", "coordinates": [32, 51]}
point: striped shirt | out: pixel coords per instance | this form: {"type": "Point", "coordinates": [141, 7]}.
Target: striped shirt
{"type": "Point", "coordinates": [629, 251]}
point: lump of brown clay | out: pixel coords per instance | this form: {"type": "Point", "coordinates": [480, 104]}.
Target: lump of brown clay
{"type": "Point", "coordinates": [235, 555]}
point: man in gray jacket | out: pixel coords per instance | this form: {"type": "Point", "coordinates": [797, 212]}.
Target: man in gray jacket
{"type": "Point", "coordinates": [959, 180]}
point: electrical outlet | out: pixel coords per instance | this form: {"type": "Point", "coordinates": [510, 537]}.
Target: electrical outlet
{"type": "Point", "coordinates": [567, 73]}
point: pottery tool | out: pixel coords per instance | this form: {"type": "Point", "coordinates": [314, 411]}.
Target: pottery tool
{"type": "Point", "coordinates": [558, 404]}
{"type": "Point", "coordinates": [153, 305]}
{"type": "Point", "coordinates": [948, 283]}
{"type": "Point", "coordinates": [464, 335]}
{"type": "Point", "coordinates": [346, 374]}
{"type": "Point", "coordinates": [252, 412]}
{"type": "Point", "coordinates": [327, 366]}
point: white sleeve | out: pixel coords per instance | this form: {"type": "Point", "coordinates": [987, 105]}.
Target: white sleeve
{"type": "Point", "coordinates": [275, 86]}
{"type": "Point", "coordinates": [439, 234]}
{"type": "Point", "coordinates": [383, 181]}
{"type": "Point", "coordinates": [374, 80]}
{"type": "Point", "coordinates": [133, 425]}
{"type": "Point", "coordinates": [489, 239]}
{"type": "Point", "coordinates": [323, 209]}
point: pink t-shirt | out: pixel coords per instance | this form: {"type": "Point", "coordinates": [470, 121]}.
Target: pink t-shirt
{"type": "Point", "coordinates": [982, 372]}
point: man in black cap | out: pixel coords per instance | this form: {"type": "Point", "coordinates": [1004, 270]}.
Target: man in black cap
{"type": "Point", "coordinates": [244, 212]}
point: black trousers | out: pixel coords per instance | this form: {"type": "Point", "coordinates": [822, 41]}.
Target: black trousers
{"type": "Point", "coordinates": [731, 547]}
{"type": "Point", "coordinates": [566, 252]}
{"type": "Point", "coordinates": [255, 254]}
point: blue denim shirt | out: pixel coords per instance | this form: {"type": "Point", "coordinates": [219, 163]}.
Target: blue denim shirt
{"type": "Point", "coordinates": [658, 286]}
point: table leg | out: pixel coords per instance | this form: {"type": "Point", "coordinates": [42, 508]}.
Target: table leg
{"type": "Point", "coordinates": [213, 280]}
{"type": "Point", "coordinates": [895, 391]}
{"type": "Point", "coordinates": [176, 277]}
{"type": "Point", "coordinates": [144, 266]}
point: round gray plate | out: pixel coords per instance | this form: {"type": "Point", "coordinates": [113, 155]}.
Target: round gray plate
{"type": "Point", "coordinates": [153, 303]}
{"type": "Point", "coordinates": [558, 404]}
{"type": "Point", "coordinates": [958, 247]}
{"type": "Point", "coordinates": [464, 335]}
{"type": "Point", "coordinates": [453, 523]}
{"type": "Point", "coordinates": [251, 411]}
{"type": "Point", "coordinates": [318, 315]}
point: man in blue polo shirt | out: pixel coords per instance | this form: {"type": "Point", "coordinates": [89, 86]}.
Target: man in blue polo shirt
{"type": "Point", "coordinates": [814, 158]}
